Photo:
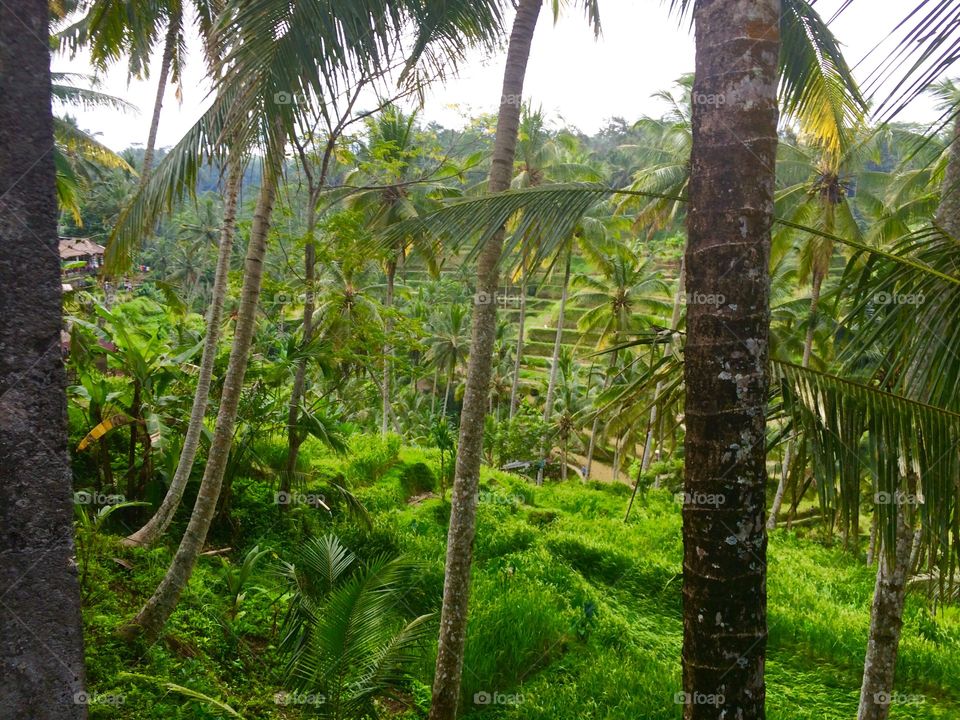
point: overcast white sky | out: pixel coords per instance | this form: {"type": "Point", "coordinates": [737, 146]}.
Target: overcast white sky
{"type": "Point", "coordinates": [582, 81]}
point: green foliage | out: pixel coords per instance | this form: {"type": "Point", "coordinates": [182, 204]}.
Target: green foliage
{"type": "Point", "coordinates": [345, 643]}
{"type": "Point", "coordinates": [371, 457]}
{"type": "Point", "coordinates": [416, 479]}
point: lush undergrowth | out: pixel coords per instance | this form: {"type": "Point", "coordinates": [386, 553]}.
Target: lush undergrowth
{"type": "Point", "coordinates": [573, 613]}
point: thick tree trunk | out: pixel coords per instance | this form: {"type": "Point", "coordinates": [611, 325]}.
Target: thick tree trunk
{"type": "Point", "coordinates": [555, 362]}
{"type": "Point", "coordinates": [158, 524]}
{"type": "Point", "coordinates": [886, 622]}
{"type": "Point", "coordinates": [948, 213]}
{"type": "Point", "coordinates": [152, 617]}
{"type": "Point", "coordinates": [463, 510]}
{"type": "Point", "coordinates": [169, 46]}
{"type": "Point", "coordinates": [387, 348]}
{"type": "Point", "coordinates": [41, 645]}
{"type": "Point", "coordinates": [725, 360]}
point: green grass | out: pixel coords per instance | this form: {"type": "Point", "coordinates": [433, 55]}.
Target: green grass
{"type": "Point", "coordinates": [574, 614]}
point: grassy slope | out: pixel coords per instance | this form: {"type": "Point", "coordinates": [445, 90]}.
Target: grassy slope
{"type": "Point", "coordinates": [574, 614]}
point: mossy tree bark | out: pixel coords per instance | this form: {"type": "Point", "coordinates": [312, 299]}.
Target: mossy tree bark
{"type": "Point", "coordinates": [41, 645]}
{"type": "Point", "coordinates": [463, 511]}
{"type": "Point", "coordinates": [725, 360]}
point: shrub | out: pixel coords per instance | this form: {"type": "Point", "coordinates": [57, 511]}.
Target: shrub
{"type": "Point", "coordinates": [371, 457]}
{"type": "Point", "coordinates": [416, 479]}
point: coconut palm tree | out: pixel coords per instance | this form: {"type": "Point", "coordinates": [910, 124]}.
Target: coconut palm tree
{"type": "Point", "coordinates": [628, 299]}
{"type": "Point", "coordinates": [259, 67]}
{"type": "Point", "coordinates": [725, 372]}
{"type": "Point", "coordinates": [110, 29]}
{"type": "Point", "coordinates": [40, 612]}
{"type": "Point", "coordinates": [449, 345]}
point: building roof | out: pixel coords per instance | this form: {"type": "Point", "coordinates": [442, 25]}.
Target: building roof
{"type": "Point", "coordinates": [79, 247]}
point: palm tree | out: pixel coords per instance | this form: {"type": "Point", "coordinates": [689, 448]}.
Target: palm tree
{"type": "Point", "coordinates": [626, 300]}
{"type": "Point", "coordinates": [258, 67]}
{"type": "Point", "coordinates": [160, 521]}
{"type": "Point", "coordinates": [113, 28]}
{"type": "Point", "coordinates": [725, 357]}
{"type": "Point", "coordinates": [456, 584]}
{"type": "Point", "coordinates": [394, 166]}
{"type": "Point", "coordinates": [449, 345]}
{"type": "Point", "coordinates": [342, 636]}
{"type": "Point", "coordinates": [40, 612]}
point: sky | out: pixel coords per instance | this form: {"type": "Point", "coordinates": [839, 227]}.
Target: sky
{"type": "Point", "coordinates": [577, 80]}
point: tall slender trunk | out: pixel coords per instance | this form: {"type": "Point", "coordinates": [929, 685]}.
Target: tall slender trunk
{"type": "Point", "coordinates": [463, 510]}
{"type": "Point", "coordinates": [135, 414]}
{"type": "Point", "coordinates": [294, 437]}
{"type": "Point", "coordinates": [158, 524]}
{"type": "Point", "coordinates": [152, 617]}
{"type": "Point", "coordinates": [674, 325]}
{"type": "Point", "coordinates": [169, 46]}
{"type": "Point", "coordinates": [446, 392]}
{"type": "Point", "coordinates": [886, 622]}
{"type": "Point", "coordinates": [555, 361]}
{"type": "Point", "coordinates": [948, 212]}
{"type": "Point", "coordinates": [521, 325]}
{"type": "Point", "coordinates": [433, 398]}
{"type": "Point", "coordinates": [789, 450]}
{"type": "Point", "coordinates": [41, 643]}
{"type": "Point", "coordinates": [595, 428]}
{"type": "Point", "coordinates": [812, 326]}
{"type": "Point", "coordinates": [387, 347]}
{"type": "Point", "coordinates": [734, 146]}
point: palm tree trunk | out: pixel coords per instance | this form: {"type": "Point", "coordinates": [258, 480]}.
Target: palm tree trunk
{"type": "Point", "coordinates": [294, 438]}
{"type": "Point", "coordinates": [135, 413]}
{"type": "Point", "coordinates": [152, 617]}
{"type": "Point", "coordinates": [387, 347]}
{"type": "Point", "coordinates": [169, 46]}
{"type": "Point", "coordinates": [807, 350]}
{"type": "Point", "coordinates": [886, 622]}
{"type": "Point", "coordinates": [674, 324]}
{"type": "Point", "coordinates": [555, 361]}
{"type": "Point", "coordinates": [725, 360]}
{"type": "Point", "coordinates": [463, 510]}
{"type": "Point", "coordinates": [521, 323]}
{"type": "Point", "coordinates": [595, 428]}
{"type": "Point", "coordinates": [812, 326]}
{"type": "Point", "coordinates": [948, 212]}
{"type": "Point", "coordinates": [41, 644]}
{"type": "Point", "coordinates": [433, 399]}
{"type": "Point", "coordinates": [158, 524]}
{"type": "Point", "coordinates": [446, 392]}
